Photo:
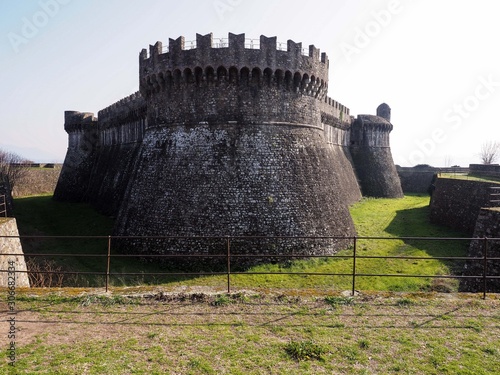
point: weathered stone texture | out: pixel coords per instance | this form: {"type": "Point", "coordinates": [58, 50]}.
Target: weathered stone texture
{"type": "Point", "coordinates": [456, 203]}
{"type": "Point", "coordinates": [371, 153]}
{"type": "Point", "coordinates": [252, 180]}
{"type": "Point", "coordinates": [487, 226]}
{"type": "Point", "coordinates": [121, 130]}
{"type": "Point", "coordinates": [415, 180]}
{"type": "Point", "coordinates": [83, 138]}
{"type": "Point", "coordinates": [11, 244]}
{"type": "Point", "coordinates": [485, 170]}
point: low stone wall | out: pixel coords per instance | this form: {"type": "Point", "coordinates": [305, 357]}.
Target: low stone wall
{"type": "Point", "coordinates": [416, 180]}
{"type": "Point", "coordinates": [456, 203]}
{"type": "Point", "coordinates": [487, 225]}
{"type": "Point", "coordinates": [12, 245]}
{"type": "Point", "coordinates": [485, 170]}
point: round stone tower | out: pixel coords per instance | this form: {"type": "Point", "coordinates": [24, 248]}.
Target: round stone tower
{"type": "Point", "coordinates": [82, 141]}
{"type": "Point", "coordinates": [235, 145]}
{"type": "Point", "coordinates": [371, 152]}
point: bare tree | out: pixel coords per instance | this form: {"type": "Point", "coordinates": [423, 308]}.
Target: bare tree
{"type": "Point", "coordinates": [12, 167]}
{"type": "Point", "coordinates": [490, 151]}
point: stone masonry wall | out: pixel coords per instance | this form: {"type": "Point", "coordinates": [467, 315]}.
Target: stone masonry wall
{"type": "Point", "coordinates": [376, 172]}
{"type": "Point", "coordinates": [486, 170]}
{"type": "Point", "coordinates": [372, 157]}
{"type": "Point", "coordinates": [8, 227]}
{"type": "Point", "coordinates": [456, 203]}
{"type": "Point", "coordinates": [415, 180]}
{"type": "Point", "coordinates": [487, 225]}
{"type": "Point", "coordinates": [251, 180]}
{"type": "Point", "coordinates": [235, 84]}
{"type": "Point", "coordinates": [80, 158]}
{"type": "Point", "coordinates": [121, 130]}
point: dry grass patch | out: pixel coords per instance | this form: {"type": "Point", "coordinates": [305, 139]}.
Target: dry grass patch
{"type": "Point", "coordinates": [255, 333]}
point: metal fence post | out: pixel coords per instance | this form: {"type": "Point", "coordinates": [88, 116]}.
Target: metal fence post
{"type": "Point", "coordinates": [108, 263]}
{"type": "Point", "coordinates": [228, 265]}
{"type": "Point", "coordinates": [485, 265]}
{"type": "Point", "coordinates": [354, 267]}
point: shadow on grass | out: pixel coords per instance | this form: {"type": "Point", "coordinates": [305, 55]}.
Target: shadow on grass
{"type": "Point", "coordinates": [415, 222]}
{"type": "Point", "coordinates": [41, 218]}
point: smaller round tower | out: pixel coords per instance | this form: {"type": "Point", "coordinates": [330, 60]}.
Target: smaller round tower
{"type": "Point", "coordinates": [384, 111]}
{"type": "Point", "coordinates": [82, 143]}
{"type": "Point", "coordinates": [371, 153]}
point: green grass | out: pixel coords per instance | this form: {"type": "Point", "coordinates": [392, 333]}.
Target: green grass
{"type": "Point", "coordinates": [305, 350]}
{"type": "Point", "coordinates": [269, 334]}
{"type": "Point", "coordinates": [394, 218]}
{"type": "Point", "coordinates": [461, 176]}
{"type": "Point", "coordinates": [391, 218]}
{"type": "Point", "coordinates": [42, 216]}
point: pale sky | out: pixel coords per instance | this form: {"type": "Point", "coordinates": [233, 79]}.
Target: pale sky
{"type": "Point", "coordinates": [436, 63]}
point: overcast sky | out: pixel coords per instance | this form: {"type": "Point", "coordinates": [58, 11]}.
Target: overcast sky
{"type": "Point", "coordinates": [436, 63]}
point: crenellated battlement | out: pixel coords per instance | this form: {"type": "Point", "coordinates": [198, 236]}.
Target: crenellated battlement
{"type": "Point", "coordinates": [370, 131]}
{"type": "Point", "coordinates": [124, 121]}
{"type": "Point", "coordinates": [234, 61]}
{"type": "Point", "coordinates": [130, 108]}
{"type": "Point", "coordinates": [75, 120]}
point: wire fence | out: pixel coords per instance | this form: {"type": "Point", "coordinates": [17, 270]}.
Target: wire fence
{"type": "Point", "coordinates": [224, 250]}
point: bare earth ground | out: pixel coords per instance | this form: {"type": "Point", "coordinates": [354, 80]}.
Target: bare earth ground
{"type": "Point", "coordinates": [201, 332]}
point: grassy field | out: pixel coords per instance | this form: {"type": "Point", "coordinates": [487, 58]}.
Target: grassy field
{"type": "Point", "coordinates": [373, 217]}
{"type": "Point", "coordinates": [385, 218]}
{"type": "Point", "coordinates": [252, 333]}
{"type": "Point", "coordinates": [279, 324]}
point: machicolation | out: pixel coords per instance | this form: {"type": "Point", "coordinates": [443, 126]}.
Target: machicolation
{"type": "Point", "coordinates": [229, 139]}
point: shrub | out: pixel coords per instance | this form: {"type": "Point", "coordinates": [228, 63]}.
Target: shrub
{"type": "Point", "coordinates": [305, 350]}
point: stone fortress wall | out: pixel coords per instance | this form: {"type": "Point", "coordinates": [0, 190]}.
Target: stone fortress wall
{"type": "Point", "coordinates": [456, 203]}
{"type": "Point", "coordinates": [487, 226]}
{"type": "Point", "coordinates": [228, 140]}
{"type": "Point", "coordinates": [469, 206]}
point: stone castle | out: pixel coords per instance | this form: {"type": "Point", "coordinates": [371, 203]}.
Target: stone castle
{"type": "Point", "coordinates": [229, 139]}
